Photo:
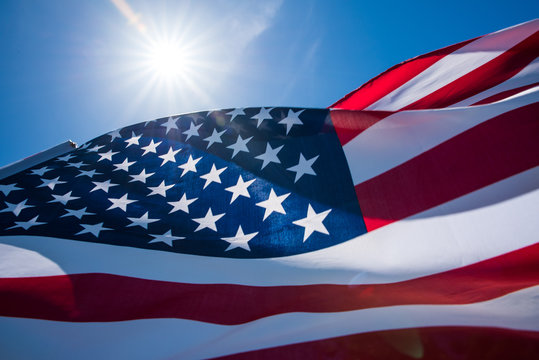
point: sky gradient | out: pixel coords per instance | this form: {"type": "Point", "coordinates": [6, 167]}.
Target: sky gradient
{"type": "Point", "coordinates": [77, 69]}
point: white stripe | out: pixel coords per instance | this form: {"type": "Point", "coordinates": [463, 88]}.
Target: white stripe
{"type": "Point", "coordinates": [454, 66]}
{"type": "Point", "coordinates": [404, 135]}
{"type": "Point", "coordinates": [489, 222]}
{"type": "Point", "coordinates": [527, 76]}
{"type": "Point", "coordinates": [185, 339]}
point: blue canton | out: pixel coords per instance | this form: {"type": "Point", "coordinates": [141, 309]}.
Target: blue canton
{"type": "Point", "coordinates": [245, 183]}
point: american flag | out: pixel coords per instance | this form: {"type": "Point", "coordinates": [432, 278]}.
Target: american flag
{"type": "Point", "coordinates": [401, 222]}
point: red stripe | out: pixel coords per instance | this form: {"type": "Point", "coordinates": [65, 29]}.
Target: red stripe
{"type": "Point", "coordinates": [413, 343]}
{"type": "Point", "coordinates": [105, 297]}
{"type": "Point", "coordinates": [391, 79]}
{"type": "Point", "coordinates": [487, 153]}
{"type": "Point", "coordinates": [505, 94]}
{"type": "Point", "coordinates": [484, 77]}
{"type": "Point", "coordinates": [349, 123]}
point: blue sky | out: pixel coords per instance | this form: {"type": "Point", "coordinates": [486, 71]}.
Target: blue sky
{"type": "Point", "coordinates": [77, 69]}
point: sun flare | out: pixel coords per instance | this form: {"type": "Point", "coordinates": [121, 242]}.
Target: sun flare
{"type": "Point", "coordinates": [166, 60]}
{"type": "Point", "coordinates": [169, 66]}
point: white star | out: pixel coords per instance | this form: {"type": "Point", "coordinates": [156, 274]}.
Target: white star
{"type": "Point", "coordinates": [212, 176]}
{"type": "Point", "coordinates": [142, 221]}
{"type": "Point", "coordinates": [51, 183]}
{"type": "Point", "coordinates": [64, 199]}
{"type": "Point", "coordinates": [291, 120]}
{"type": "Point", "coordinates": [83, 146]}
{"type": "Point", "coordinates": [182, 204]}
{"type": "Point", "coordinates": [6, 189]}
{"type": "Point", "coordinates": [102, 186]}
{"type": "Point", "coordinates": [215, 137]}
{"type": "Point", "coordinates": [170, 124]}
{"type": "Point", "coordinates": [160, 190]}
{"type": "Point", "coordinates": [93, 229]}
{"type": "Point", "coordinates": [303, 167]}
{"type": "Point", "coordinates": [106, 155]}
{"type": "Point", "coordinates": [26, 224]}
{"type": "Point", "coordinates": [313, 222]}
{"type": "Point", "coordinates": [40, 171]}
{"type": "Point", "coordinates": [16, 208]}
{"type": "Point", "coordinates": [114, 134]}
{"type": "Point", "coordinates": [133, 140]}
{"type": "Point", "coordinates": [273, 204]}
{"type": "Point", "coordinates": [76, 213]}
{"type": "Point", "coordinates": [208, 221]}
{"type": "Point", "coordinates": [66, 158]}
{"type": "Point", "coordinates": [269, 156]}
{"type": "Point", "coordinates": [167, 238]}
{"type": "Point", "coordinates": [240, 189]}
{"type": "Point", "coordinates": [239, 240]}
{"type": "Point", "coordinates": [123, 166]}
{"type": "Point", "coordinates": [120, 203]}
{"type": "Point", "coordinates": [192, 131]}
{"type": "Point", "coordinates": [75, 165]}
{"type": "Point", "coordinates": [169, 156]}
{"type": "Point", "coordinates": [190, 165]}
{"type": "Point", "coordinates": [141, 177]}
{"type": "Point", "coordinates": [89, 173]}
{"type": "Point", "coordinates": [239, 145]}
{"type": "Point", "coordinates": [235, 112]}
{"type": "Point", "coordinates": [151, 147]}
{"type": "Point", "coordinates": [96, 148]}
{"type": "Point", "coordinates": [264, 114]}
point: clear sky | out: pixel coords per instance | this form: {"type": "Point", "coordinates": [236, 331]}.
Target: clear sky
{"type": "Point", "coordinates": [77, 69]}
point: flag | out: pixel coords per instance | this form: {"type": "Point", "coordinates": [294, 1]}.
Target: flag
{"type": "Point", "coordinates": [396, 224]}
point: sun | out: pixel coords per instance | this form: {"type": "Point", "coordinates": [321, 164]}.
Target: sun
{"type": "Point", "coordinates": [168, 68]}
{"type": "Point", "coordinates": [166, 60]}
